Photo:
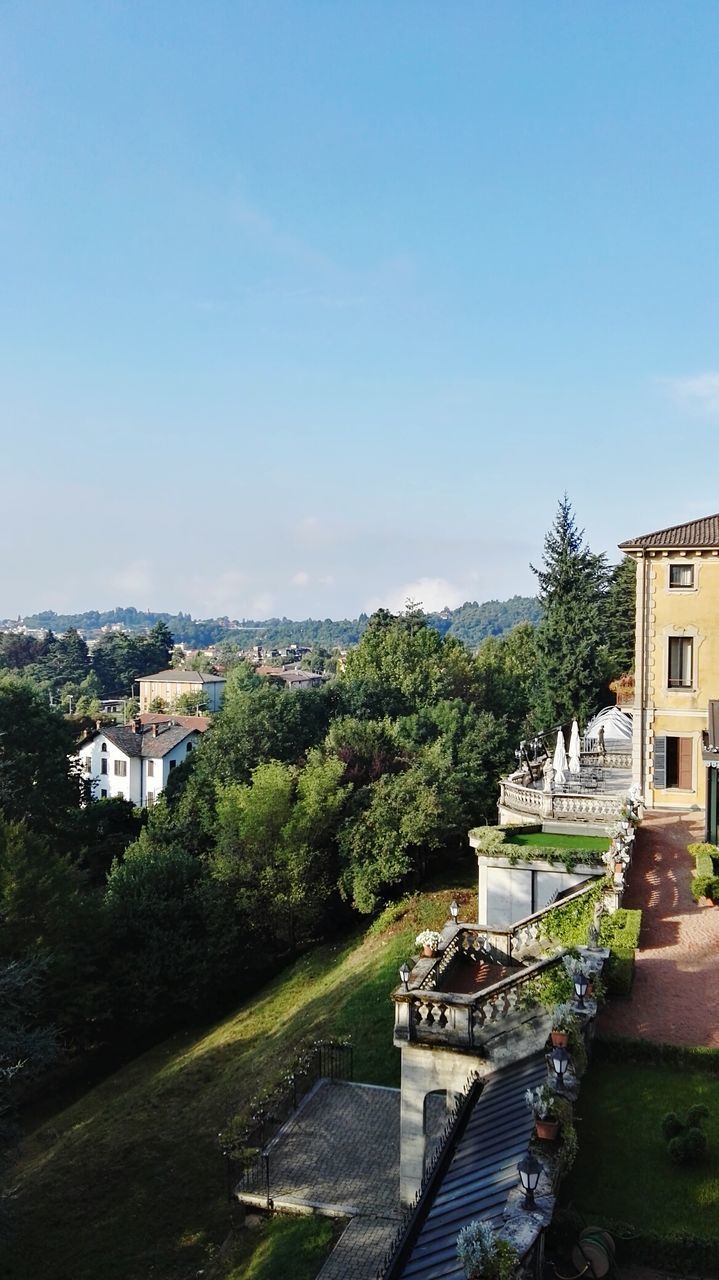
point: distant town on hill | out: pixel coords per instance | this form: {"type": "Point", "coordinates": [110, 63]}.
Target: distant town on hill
{"type": "Point", "coordinates": [471, 623]}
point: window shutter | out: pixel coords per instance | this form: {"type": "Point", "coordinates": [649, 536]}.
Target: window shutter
{"type": "Point", "coordinates": [660, 763]}
{"type": "Point", "coordinates": [686, 753]}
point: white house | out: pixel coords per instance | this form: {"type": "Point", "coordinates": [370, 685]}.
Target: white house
{"type": "Point", "coordinates": [168, 686]}
{"type": "Point", "coordinates": [135, 760]}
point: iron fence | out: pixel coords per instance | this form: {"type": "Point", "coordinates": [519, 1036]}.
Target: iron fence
{"type": "Point", "coordinates": [245, 1139]}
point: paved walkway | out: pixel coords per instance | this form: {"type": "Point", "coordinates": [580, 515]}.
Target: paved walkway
{"type": "Point", "coordinates": [675, 997]}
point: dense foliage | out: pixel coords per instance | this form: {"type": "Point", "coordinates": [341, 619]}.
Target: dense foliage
{"type": "Point", "coordinates": [64, 669]}
{"type": "Point", "coordinates": [471, 623]}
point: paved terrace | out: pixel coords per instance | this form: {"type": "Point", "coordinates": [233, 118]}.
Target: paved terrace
{"type": "Point", "coordinates": [339, 1155]}
{"type": "Point", "coordinates": [675, 997]}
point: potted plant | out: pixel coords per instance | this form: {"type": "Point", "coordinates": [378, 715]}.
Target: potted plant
{"type": "Point", "coordinates": [484, 1254]}
{"type": "Point", "coordinates": [429, 941]}
{"type": "Point", "coordinates": [542, 1102]}
{"type": "Point", "coordinates": [563, 1022]}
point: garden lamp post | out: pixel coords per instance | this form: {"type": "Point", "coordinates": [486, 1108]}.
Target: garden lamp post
{"type": "Point", "coordinates": [404, 975]}
{"type": "Point", "coordinates": [560, 1060]}
{"type": "Point", "coordinates": [529, 1170]}
{"type": "Point", "coordinates": [454, 909]}
{"type": "Point", "coordinates": [580, 988]}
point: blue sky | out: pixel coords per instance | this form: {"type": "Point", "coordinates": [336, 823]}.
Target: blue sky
{"type": "Point", "coordinates": [311, 306]}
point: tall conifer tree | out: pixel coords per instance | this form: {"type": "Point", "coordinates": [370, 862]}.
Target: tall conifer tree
{"type": "Point", "coordinates": [571, 651]}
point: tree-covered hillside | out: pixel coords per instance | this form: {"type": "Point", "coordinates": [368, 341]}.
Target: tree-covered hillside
{"type": "Point", "coordinates": [471, 623]}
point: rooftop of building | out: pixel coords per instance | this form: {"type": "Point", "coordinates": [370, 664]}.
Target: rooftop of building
{"type": "Point", "coordinates": [147, 741]}
{"type": "Point", "coordinates": [181, 675]}
{"type": "Point", "coordinates": [694, 535]}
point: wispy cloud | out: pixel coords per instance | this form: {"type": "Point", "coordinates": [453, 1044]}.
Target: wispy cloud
{"type": "Point", "coordinates": [432, 593]}
{"type": "Point", "coordinates": [700, 391]}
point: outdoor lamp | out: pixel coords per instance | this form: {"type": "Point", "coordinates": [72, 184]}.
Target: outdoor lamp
{"type": "Point", "coordinates": [560, 1060]}
{"type": "Point", "coordinates": [404, 975]}
{"type": "Point", "coordinates": [529, 1170]}
{"type": "Point", "coordinates": [580, 988]}
{"type": "Point", "coordinates": [454, 909]}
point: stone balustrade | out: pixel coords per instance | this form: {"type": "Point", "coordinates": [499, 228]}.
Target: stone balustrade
{"type": "Point", "coordinates": [464, 1021]}
{"type": "Point", "coordinates": [518, 796]}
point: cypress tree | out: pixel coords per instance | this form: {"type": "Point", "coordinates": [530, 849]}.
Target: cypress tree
{"type": "Point", "coordinates": [570, 645]}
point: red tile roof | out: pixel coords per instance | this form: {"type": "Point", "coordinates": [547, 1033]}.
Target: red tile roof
{"type": "Point", "coordinates": [694, 534]}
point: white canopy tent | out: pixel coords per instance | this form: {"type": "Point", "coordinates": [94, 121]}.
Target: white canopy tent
{"type": "Point", "coordinates": [618, 727]}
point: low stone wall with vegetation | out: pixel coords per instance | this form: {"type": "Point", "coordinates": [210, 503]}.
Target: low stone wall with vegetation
{"type": "Point", "coordinates": [496, 842]}
{"type": "Point", "coordinates": [705, 882]}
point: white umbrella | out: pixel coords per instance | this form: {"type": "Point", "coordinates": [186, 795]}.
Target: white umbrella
{"type": "Point", "coordinates": [560, 760]}
{"type": "Point", "coordinates": [574, 749]}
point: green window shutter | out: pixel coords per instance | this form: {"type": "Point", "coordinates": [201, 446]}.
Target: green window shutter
{"type": "Point", "coordinates": [660, 763]}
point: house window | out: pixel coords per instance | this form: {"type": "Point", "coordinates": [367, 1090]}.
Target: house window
{"type": "Point", "coordinates": [681, 650]}
{"type": "Point", "coordinates": [673, 759]}
{"type": "Point", "coordinates": [173, 764]}
{"type": "Point", "coordinates": [681, 575]}
{"type": "Point", "coordinates": [103, 747]}
{"type": "Point", "coordinates": [151, 768]}
{"type": "Point", "coordinates": [189, 748]}
{"type": "Point", "coordinates": [88, 764]}
{"type": "Point", "coordinates": [103, 766]}
{"type": "Point", "coordinates": [103, 793]}
{"type": "Point", "coordinates": [121, 768]}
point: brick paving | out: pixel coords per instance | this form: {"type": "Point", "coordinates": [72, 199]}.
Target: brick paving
{"type": "Point", "coordinates": [675, 997]}
{"type": "Point", "coordinates": [339, 1155]}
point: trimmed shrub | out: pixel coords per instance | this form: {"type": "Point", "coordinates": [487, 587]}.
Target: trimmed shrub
{"type": "Point", "coordinates": [620, 932]}
{"type": "Point", "coordinates": [689, 1147]}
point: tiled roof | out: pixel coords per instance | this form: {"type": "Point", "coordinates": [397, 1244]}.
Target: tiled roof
{"type": "Point", "coordinates": [201, 723]}
{"type": "Point", "coordinates": [181, 675]}
{"type": "Point", "coordinates": [147, 744]}
{"type": "Point", "coordinates": [481, 1173]}
{"type": "Point", "coordinates": [696, 533]}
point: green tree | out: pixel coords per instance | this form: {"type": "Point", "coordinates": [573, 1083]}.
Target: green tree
{"type": "Point", "coordinates": [173, 937]}
{"type": "Point", "coordinates": [192, 703]}
{"type": "Point", "coordinates": [38, 783]}
{"type": "Point", "coordinates": [570, 639]}
{"type": "Point", "coordinates": [621, 616]}
{"type": "Point", "coordinates": [402, 664]}
{"type": "Point", "coordinates": [388, 842]}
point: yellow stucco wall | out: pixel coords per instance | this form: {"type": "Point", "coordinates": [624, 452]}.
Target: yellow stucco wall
{"type": "Point", "coordinates": [678, 712]}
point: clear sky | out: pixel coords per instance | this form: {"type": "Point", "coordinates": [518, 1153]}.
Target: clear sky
{"type": "Point", "coordinates": [310, 306]}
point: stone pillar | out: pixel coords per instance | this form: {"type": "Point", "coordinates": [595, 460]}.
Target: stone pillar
{"type": "Point", "coordinates": [426, 1070]}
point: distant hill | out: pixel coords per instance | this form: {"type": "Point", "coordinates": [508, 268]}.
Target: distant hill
{"type": "Point", "coordinates": [471, 622]}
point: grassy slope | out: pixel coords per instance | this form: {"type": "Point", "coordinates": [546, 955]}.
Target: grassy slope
{"type": "Point", "coordinates": [128, 1182]}
{"type": "Point", "coordinates": [623, 1173]}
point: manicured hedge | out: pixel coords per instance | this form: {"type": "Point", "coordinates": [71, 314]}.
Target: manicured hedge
{"type": "Point", "coordinates": [617, 1049]}
{"type": "Point", "coordinates": [620, 932]}
{"type": "Point", "coordinates": [705, 883]}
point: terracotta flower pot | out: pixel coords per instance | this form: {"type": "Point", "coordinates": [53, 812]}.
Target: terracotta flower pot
{"type": "Point", "coordinates": [618, 868]}
{"type": "Point", "coordinates": [547, 1130]}
{"type": "Point", "coordinates": [428, 951]}
{"type": "Point", "coordinates": [560, 1039]}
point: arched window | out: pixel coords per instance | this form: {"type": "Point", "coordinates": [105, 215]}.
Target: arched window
{"type": "Point", "coordinates": [103, 747]}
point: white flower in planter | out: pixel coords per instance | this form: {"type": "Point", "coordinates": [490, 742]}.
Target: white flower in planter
{"type": "Point", "coordinates": [428, 938]}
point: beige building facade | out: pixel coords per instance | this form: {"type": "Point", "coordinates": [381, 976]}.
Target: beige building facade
{"type": "Point", "coordinates": [167, 686]}
{"type": "Point", "coordinates": [677, 660]}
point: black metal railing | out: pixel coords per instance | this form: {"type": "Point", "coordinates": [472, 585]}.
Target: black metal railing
{"type": "Point", "coordinates": [245, 1139]}
{"type": "Point", "coordinates": [413, 1218]}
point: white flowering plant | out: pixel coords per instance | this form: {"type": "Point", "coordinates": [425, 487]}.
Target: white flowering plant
{"type": "Point", "coordinates": [484, 1254]}
{"type": "Point", "coordinates": [576, 965]}
{"type": "Point", "coordinates": [542, 1102]}
{"type": "Point", "coordinates": [564, 1018]}
{"type": "Point", "coordinates": [428, 938]}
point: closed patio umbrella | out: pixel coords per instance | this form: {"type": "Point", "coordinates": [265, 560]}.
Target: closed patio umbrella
{"type": "Point", "coordinates": [574, 749]}
{"type": "Point", "coordinates": [560, 760]}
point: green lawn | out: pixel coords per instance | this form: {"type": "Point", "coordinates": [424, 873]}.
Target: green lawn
{"type": "Point", "coordinates": [283, 1247]}
{"type": "Point", "coordinates": [597, 844]}
{"type": "Point", "coordinates": [128, 1183]}
{"type": "Point", "coordinates": [623, 1174]}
